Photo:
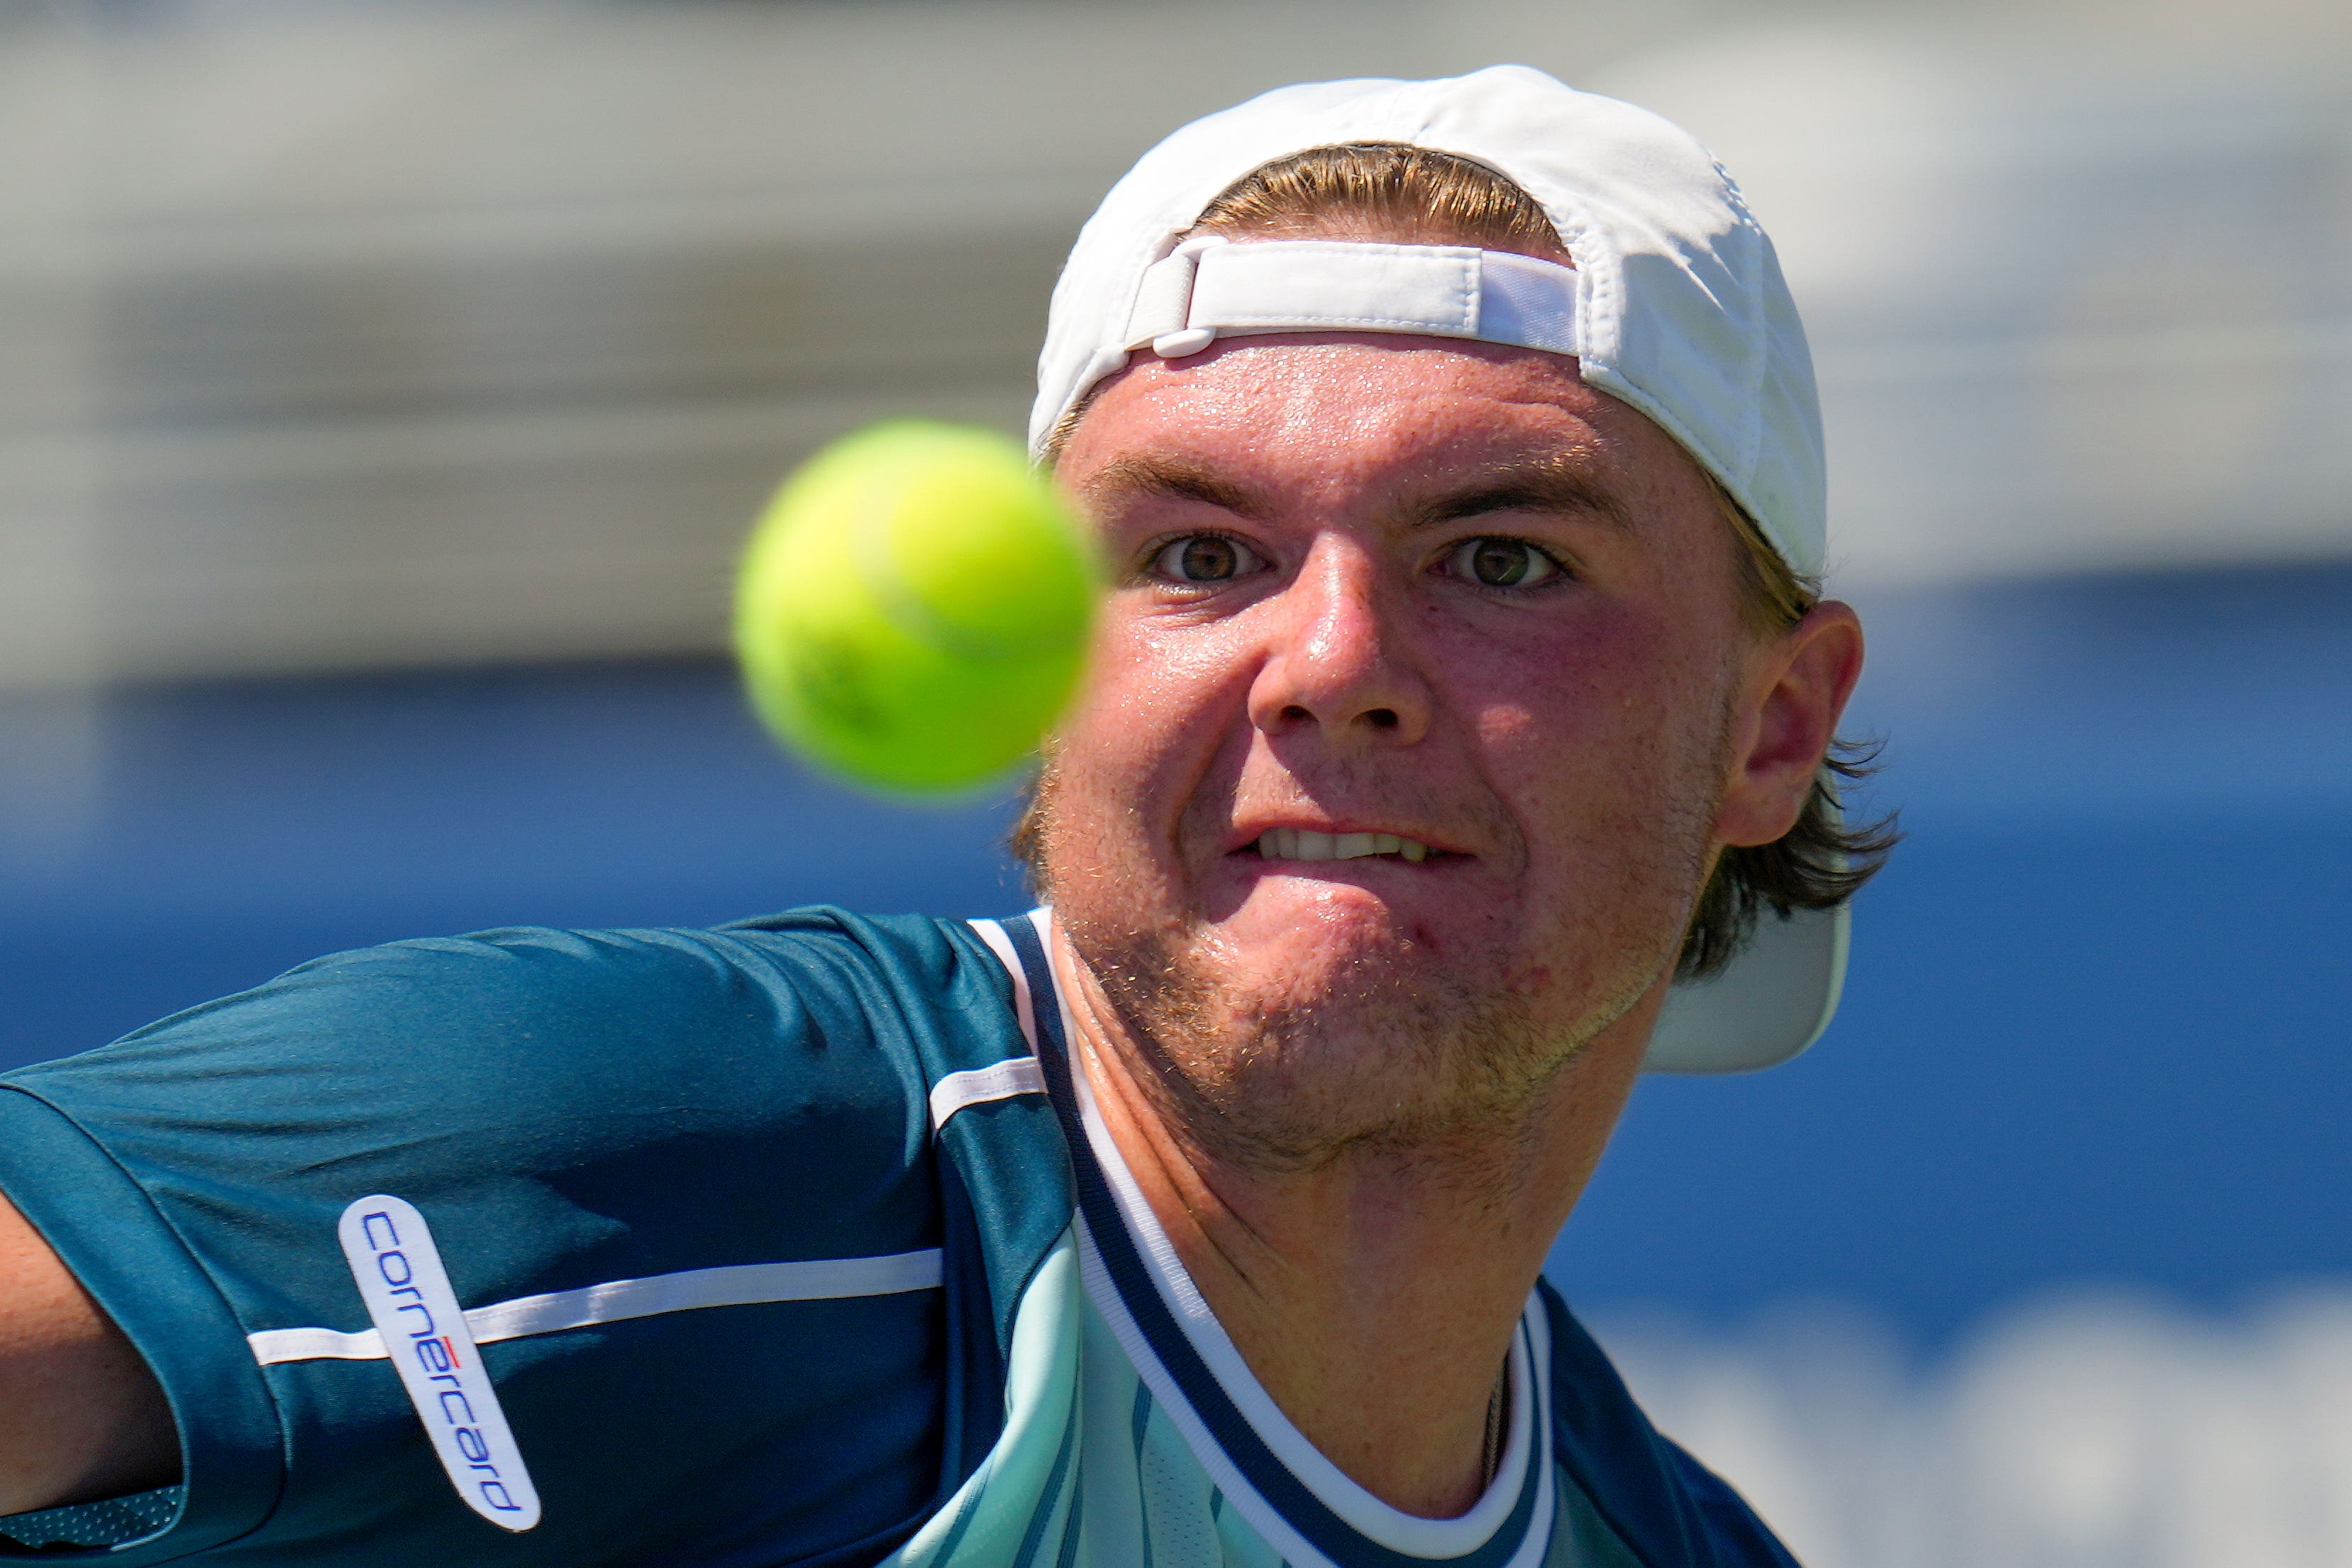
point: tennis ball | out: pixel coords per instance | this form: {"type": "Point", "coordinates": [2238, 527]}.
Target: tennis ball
{"type": "Point", "coordinates": [913, 607]}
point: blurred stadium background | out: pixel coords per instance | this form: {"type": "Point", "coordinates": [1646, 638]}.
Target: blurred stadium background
{"type": "Point", "coordinates": [385, 387]}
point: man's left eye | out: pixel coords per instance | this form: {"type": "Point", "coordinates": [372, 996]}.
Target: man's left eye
{"type": "Point", "coordinates": [1500, 563]}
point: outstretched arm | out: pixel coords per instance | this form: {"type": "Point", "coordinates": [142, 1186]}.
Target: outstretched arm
{"type": "Point", "coordinates": [81, 1416]}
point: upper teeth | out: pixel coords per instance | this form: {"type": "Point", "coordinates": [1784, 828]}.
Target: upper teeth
{"type": "Point", "coordinates": [1307, 844]}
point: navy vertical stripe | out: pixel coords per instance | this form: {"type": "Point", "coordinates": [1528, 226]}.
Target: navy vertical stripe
{"type": "Point", "coordinates": [1035, 1534]}
{"type": "Point", "coordinates": [1070, 1527]}
{"type": "Point", "coordinates": [1140, 1425]}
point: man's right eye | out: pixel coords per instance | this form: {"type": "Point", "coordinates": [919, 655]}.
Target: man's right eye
{"type": "Point", "coordinates": [1204, 558]}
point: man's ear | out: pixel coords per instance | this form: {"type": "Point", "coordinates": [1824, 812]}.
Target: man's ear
{"type": "Point", "coordinates": [1796, 691]}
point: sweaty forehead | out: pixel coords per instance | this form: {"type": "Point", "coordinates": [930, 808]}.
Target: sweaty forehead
{"type": "Point", "coordinates": [1338, 409]}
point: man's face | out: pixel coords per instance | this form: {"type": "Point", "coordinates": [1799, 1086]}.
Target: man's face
{"type": "Point", "coordinates": [1438, 593]}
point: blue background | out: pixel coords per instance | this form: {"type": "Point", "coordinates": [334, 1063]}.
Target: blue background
{"type": "Point", "coordinates": [2096, 1027]}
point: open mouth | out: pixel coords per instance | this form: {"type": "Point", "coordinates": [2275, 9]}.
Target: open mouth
{"type": "Point", "coordinates": [1307, 844]}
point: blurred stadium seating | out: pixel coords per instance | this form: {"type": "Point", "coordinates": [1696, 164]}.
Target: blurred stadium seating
{"type": "Point", "coordinates": [358, 335]}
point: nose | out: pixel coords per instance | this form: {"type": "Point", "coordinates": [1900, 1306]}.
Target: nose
{"type": "Point", "coordinates": [1334, 658]}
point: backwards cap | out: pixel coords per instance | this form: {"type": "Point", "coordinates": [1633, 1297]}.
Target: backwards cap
{"type": "Point", "coordinates": [1676, 305]}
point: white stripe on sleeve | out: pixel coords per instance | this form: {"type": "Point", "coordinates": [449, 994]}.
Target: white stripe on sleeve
{"type": "Point", "coordinates": [742, 1285]}
{"type": "Point", "coordinates": [978, 1086]}
{"type": "Point", "coordinates": [271, 1347]}
{"type": "Point", "coordinates": [1024, 1007]}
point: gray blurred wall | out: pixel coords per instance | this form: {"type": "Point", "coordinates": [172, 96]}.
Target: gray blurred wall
{"type": "Point", "coordinates": [344, 335]}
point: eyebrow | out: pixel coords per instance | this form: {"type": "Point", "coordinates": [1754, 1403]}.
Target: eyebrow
{"type": "Point", "coordinates": [1541, 484]}
{"type": "Point", "coordinates": [1552, 483]}
{"type": "Point", "coordinates": [1175, 479]}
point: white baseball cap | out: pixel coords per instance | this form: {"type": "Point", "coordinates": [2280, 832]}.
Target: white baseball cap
{"type": "Point", "coordinates": [1676, 305]}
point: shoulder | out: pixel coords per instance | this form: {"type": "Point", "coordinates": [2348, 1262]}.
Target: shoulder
{"type": "Point", "coordinates": [1665, 1507]}
{"type": "Point", "coordinates": [632, 1100]}
{"type": "Point", "coordinates": [522, 1036]}
{"type": "Point", "coordinates": [572, 1113]}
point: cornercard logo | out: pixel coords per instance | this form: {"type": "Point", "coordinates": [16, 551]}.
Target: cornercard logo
{"type": "Point", "coordinates": [407, 1293]}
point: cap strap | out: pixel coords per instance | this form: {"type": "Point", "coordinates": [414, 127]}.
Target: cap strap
{"type": "Point", "coordinates": [1210, 290]}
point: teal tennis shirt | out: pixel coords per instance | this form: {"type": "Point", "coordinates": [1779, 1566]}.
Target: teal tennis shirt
{"type": "Point", "coordinates": [791, 1242]}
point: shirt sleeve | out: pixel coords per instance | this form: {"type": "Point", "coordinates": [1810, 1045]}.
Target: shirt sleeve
{"type": "Point", "coordinates": [569, 1111]}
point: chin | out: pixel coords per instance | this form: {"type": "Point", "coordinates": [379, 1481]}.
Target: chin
{"type": "Point", "coordinates": [1326, 1029]}
{"type": "Point", "coordinates": [1367, 1002]}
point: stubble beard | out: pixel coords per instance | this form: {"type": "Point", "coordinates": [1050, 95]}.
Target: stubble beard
{"type": "Point", "coordinates": [1389, 1054]}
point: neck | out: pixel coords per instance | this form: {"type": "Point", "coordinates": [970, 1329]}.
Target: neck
{"type": "Point", "coordinates": [1375, 1294]}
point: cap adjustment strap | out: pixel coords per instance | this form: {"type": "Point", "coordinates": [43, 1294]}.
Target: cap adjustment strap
{"type": "Point", "coordinates": [1209, 288]}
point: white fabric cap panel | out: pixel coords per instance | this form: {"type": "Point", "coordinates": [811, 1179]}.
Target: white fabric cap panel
{"type": "Point", "coordinates": [1199, 293]}
{"type": "Point", "coordinates": [1527, 302]}
{"type": "Point", "coordinates": [1769, 1005]}
{"type": "Point", "coordinates": [1319, 284]}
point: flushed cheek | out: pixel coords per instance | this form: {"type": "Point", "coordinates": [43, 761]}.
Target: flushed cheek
{"type": "Point", "coordinates": [1156, 727]}
{"type": "Point", "coordinates": [1609, 784]}
{"type": "Point", "coordinates": [1608, 766]}
{"type": "Point", "coordinates": [1602, 695]}
{"type": "Point", "coordinates": [1578, 742]}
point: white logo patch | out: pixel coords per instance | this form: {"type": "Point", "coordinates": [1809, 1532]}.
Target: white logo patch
{"type": "Point", "coordinates": [407, 1293]}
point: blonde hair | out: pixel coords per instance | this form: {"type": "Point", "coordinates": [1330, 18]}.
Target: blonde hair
{"type": "Point", "coordinates": [1384, 190]}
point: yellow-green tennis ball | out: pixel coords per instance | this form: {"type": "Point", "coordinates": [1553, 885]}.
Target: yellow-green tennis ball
{"type": "Point", "coordinates": [914, 607]}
